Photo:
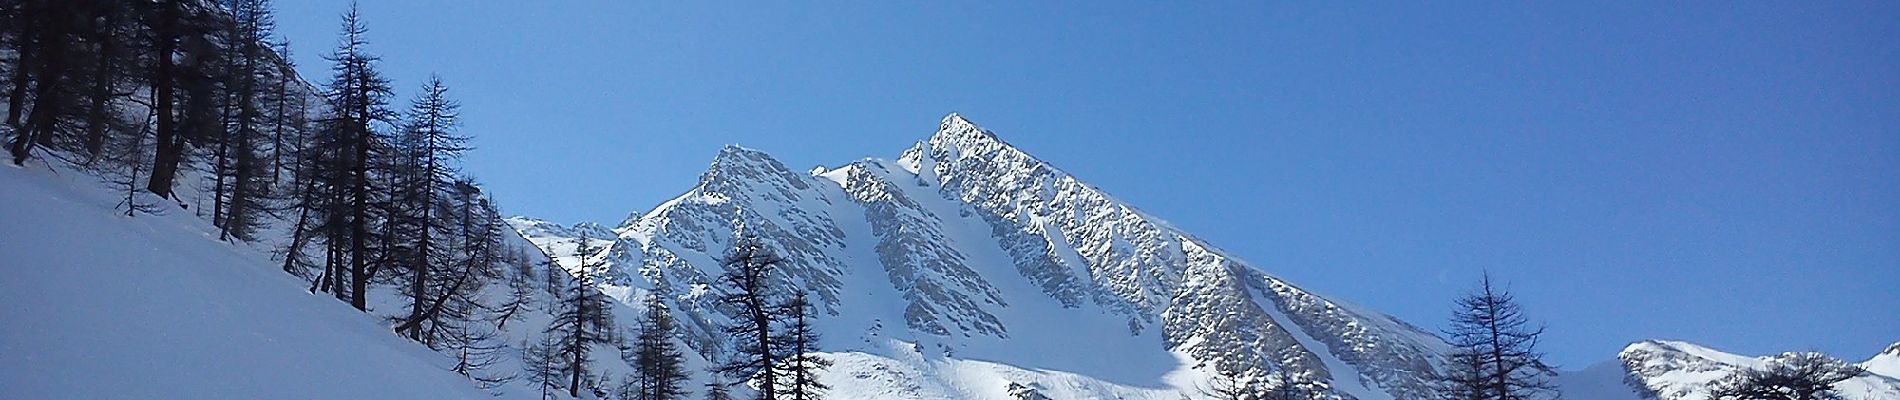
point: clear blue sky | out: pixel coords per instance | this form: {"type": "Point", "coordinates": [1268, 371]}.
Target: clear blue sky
{"type": "Point", "coordinates": [1725, 172]}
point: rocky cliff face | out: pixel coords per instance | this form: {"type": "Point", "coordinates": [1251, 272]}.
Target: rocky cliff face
{"type": "Point", "coordinates": [966, 247]}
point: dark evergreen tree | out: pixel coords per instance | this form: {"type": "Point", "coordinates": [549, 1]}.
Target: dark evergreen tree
{"type": "Point", "coordinates": [127, 152]}
{"type": "Point", "coordinates": [203, 97]}
{"type": "Point", "coordinates": [553, 280]}
{"type": "Point", "coordinates": [47, 48]}
{"type": "Point", "coordinates": [1463, 377]}
{"type": "Point", "coordinates": [358, 96]}
{"type": "Point", "coordinates": [583, 321]}
{"type": "Point", "coordinates": [64, 76]}
{"type": "Point", "coordinates": [112, 60]}
{"type": "Point", "coordinates": [167, 24]}
{"type": "Point", "coordinates": [287, 114]}
{"type": "Point", "coordinates": [18, 18]}
{"type": "Point", "coordinates": [716, 389]}
{"type": "Point", "coordinates": [659, 365]}
{"type": "Point", "coordinates": [477, 352]}
{"type": "Point", "coordinates": [520, 293]}
{"type": "Point", "coordinates": [747, 280]}
{"type": "Point", "coordinates": [542, 365]}
{"type": "Point", "coordinates": [189, 71]}
{"type": "Point", "coordinates": [1490, 329]}
{"type": "Point", "coordinates": [451, 297]}
{"type": "Point", "coordinates": [429, 147]}
{"type": "Point", "coordinates": [799, 369]}
{"type": "Point", "coordinates": [628, 389]}
{"type": "Point", "coordinates": [242, 178]}
{"type": "Point", "coordinates": [1224, 386]}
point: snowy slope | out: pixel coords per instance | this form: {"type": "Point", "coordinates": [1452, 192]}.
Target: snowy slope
{"type": "Point", "coordinates": [1673, 370]}
{"type": "Point", "coordinates": [1603, 381]}
{"type": "Point", "coordinates": [1886, 363]}
{"type": "Point", "coordinates": [966, 263]}
{"type": "Point", "coordinates": [99, 305]}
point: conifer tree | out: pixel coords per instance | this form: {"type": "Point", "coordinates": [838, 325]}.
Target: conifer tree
{"type": "Point", "coordinates": [520, 293]}
{"type": "Point", "coordinates": [241, 159]}
{"type": "Point", "coordinates": [477, 351]}
{"type": "Point", "coordinates": [660, 371]}
{"type": "Point", "coordinates": [112, 60]}
{"type": "Point", "coordinates": [450, 295]}
{"type": "Point", "coordinates": [1224, 386]}
{"type": "Point", "coordinates": [1495, 342]}
{"type": "Point", "coordinates": [716, 389]}
{"type": "Point", "coordinates": [748, 268]}
{"type": "Point", "coordinates": [542, 365]}
{"type": "Point", "coordinates": [48, 44]}
{"type": "Point", "coordinates": [582, 322]}
{"type": "Point", "coordinates": [287, 114]}
{"type": "Point", "coordinates": [166, 25]}
{"type": "Point", "coordinates": [799, 369]}
{"type": "Point", "coordinates": [19, 37]}
{"type": "Point", "coordinates": [430, 146]}
{"type": "Point", "coordinates": [358, 98]}
{"type": "Point", "coordinates": [126, 152]}
{"type": "Point", "coordinates": [63, 76]}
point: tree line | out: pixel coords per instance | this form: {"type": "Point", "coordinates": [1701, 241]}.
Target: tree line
{"type": "Point", "coordinates": [182, 102]}
{"type": "Point", "coordinates": [177, 103]}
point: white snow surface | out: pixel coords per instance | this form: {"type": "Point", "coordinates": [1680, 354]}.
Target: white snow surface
{"type": "Point", "coordinates": [1676, 370]}
{"type": "Point", "coordinates": [102, 306]}
{"type": "Point", "coordinates": [1886, 363]}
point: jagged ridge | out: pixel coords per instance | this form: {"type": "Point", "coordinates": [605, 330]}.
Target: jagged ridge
{"type": "Point", "coordinates": [974, 244]}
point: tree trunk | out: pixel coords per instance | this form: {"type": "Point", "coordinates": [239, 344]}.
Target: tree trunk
{"type": "Point", "coordinates": [220, 170]}
{"type": "Point", "coordinates": [359, 220]}
{"type": "Point", "coordinates": [763, 324]}
{"type": "Point", "coordinates": [277, 125]}
{"type": "Point", "coordinates": [47, 96]}
{"type": "Point", "coordinates": [165, 163]}
{"type": "Point", "coordinates": [296, 238]}
{"type": "Point", "coordinates": [103, 77]}
{"type": "Point", "coordinates": [23, 51]}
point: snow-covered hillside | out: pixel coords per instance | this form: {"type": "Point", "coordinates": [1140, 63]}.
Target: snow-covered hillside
{"type": "Point", "coordinates": [967, 265]}
{"type": "Point", "coordinates": [1603, 381]}
{"type": "Point", "coordinates": [1673, 370]}
{"type": "Point", "coordinates": [101, 306]}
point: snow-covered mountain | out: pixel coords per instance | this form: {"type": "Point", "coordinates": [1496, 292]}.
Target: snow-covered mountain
{"type": "Point", "coordinates": [1673, 370]}
{"type": "Point", "coordinates": [967, 266]}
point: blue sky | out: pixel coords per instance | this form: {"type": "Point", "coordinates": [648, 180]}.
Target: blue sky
{"type": "Point", "coordinates": [1720, 172]}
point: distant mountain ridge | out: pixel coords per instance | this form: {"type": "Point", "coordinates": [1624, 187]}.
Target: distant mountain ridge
{"type": "Point", "coordinates": [968, 268]}
{"type": "Point", "coordinates": [966, 246]}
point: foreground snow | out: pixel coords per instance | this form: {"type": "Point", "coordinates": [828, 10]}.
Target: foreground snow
{"type": "Point", "coordinates": [103, 306]}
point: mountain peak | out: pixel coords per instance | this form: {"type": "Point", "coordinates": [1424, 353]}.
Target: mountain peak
{"type": "Point", "coordinates": [956, 119]}
{"type": "Point", "coordinates": [959, 131]}
{"type": "Point", "coordinates": [737, 152]}
{"type": "Point", "coordinates": [734, 156]}
{"type": "Point", "coordinates": [737, 166]}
